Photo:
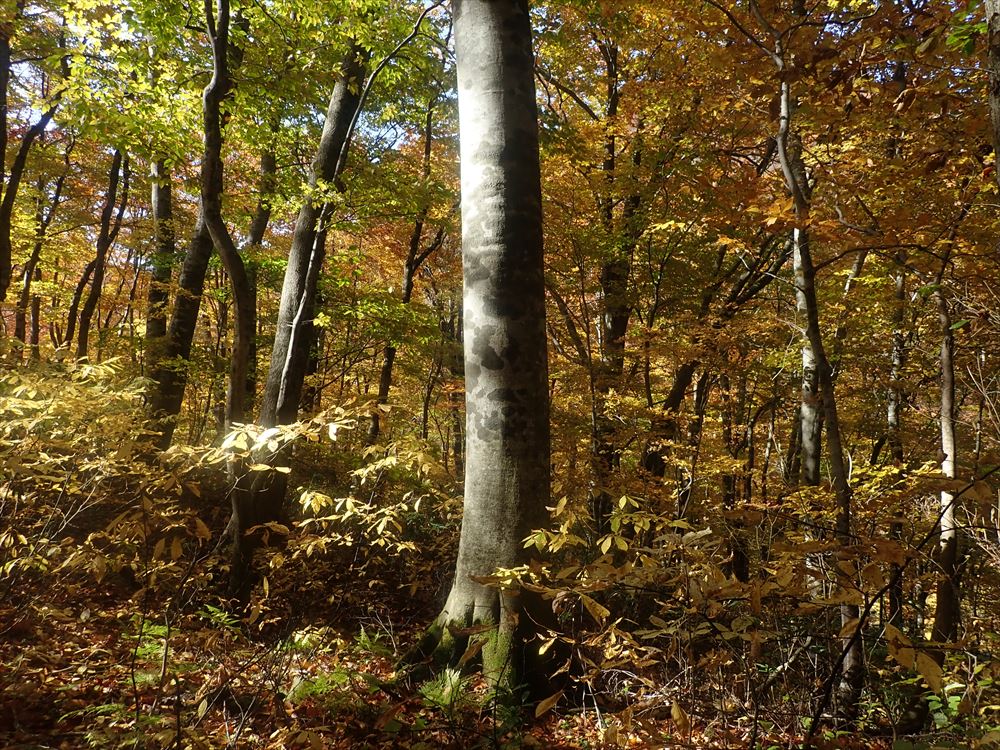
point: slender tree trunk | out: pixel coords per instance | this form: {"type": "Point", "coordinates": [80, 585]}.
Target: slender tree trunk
{"type": "Point", "coordinates": [10, 180]}
{"type": "Point", "coordinates": [162, 262]}
{"type": "Point", "coordinates": [31, 270]}
{"type": "Point", "coordinates": [35, 326]}
{"type": "Point", "coordinates": [947, 610]}
{"type": "Point", "coordinates": [170, 372]}
{"type": "Point", "coordinates": [261, 499]}
{"type": "Point", "coordinates": [615, 308]}
{"type": "Point", "coordinates": [810, 407]}
{"type": "Point", "coordinates": [106, 237]}
{"type": "Point", "coordinates": [796, 180]}
{"type": "Point", "coordinates": [993, 69]}
{"type": "Point", "coordinates": [894, 411]}
{"type": "Point", "coordinates": [415, 256]}
{"type": "Point", "coordinates": [283, 388]}
{"type": "Point", "coordinates": [74, 305]}
{"type": "Point", "coordinates": [665, 426]}
{"type": "Point", "coordinates": [255, 238]}
{"type": "Point", "coordinates": [216, 92]}
{"type": "Point", "coordinates": [507, 417]}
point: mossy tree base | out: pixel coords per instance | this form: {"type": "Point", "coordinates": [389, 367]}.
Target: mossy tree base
{"type": "Point", "coordinates": [494, 631]}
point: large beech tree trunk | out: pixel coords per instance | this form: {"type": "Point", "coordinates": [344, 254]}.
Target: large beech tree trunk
{"type": "Point", "coordinates": [108, 233]}
{"type": "Point", "coordinates": [507, 422]}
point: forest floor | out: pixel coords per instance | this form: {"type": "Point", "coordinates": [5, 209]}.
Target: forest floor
{"type": "Point", "coordinates": [114, 665]}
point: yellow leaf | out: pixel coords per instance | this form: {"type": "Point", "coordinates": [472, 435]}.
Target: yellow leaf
{"type": "Point", "coordinates": [900, 647]}
{"type": "Point", "coordinates": [931, 671]}
{"type": "Point", "coordinates": [201, 530]}
{"type": "Point", "coordinates": [598, 611]}
{"type": "Point", "coordinates": [680, 718]}
{"type": "Point", "coordinates": [546, 705]}
{"type": "Point", "coordinates": [848, 628]}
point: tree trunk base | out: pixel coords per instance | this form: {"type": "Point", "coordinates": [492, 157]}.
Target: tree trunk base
{"type": "Point", "coordinates": [494, 631]}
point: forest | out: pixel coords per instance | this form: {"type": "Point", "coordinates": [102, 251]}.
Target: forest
{"type": "Point", "coordinates": [499, 374]}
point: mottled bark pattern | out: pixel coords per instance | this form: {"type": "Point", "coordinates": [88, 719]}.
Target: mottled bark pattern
{"type": "Point", "coordinates": [947, 609]}
{"type": "Point", "coordinates": [507, 416]}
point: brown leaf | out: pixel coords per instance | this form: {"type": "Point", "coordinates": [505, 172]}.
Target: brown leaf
{"type": "Point", "coordinates": [546, 705]}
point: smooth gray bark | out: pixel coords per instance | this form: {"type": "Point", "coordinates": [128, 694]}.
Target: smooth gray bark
{"type": "Point", "coordinates": [507, 415]}
{"type": "Point", "coordinates": [946, 612]}
{"type": "Point", "coordinates": [796, 181]}
{"type": "Point", "coordinates": [259, 499]}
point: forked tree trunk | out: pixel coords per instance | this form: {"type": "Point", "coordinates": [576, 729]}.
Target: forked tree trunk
{"type": "Point", "coordinates": [170, 373]}
{"type": "Point", "coordinates": [216, 92]}
{"type": "Point", "coordinates": [507, 416]}
{"type": "Point", "coordinates": [261, 498]}
{"type": "Point", "coordinates": [108, 233]}
{"type": "Point", "coordinates": [292, 338]}
{"type": "Point", "coordinates": [31, 271]}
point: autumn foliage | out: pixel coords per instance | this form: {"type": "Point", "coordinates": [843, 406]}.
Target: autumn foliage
{"type": "Point", "coordinates": [771, 289]}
